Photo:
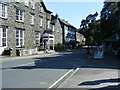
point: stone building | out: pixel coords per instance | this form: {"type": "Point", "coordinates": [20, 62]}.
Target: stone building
{"type": "Point", "coordinates": [22, 26]}
{"type": "Point", "coordinates": [80, 39]}
{"type": "Point", "coordinates": [68, 34]}
{"type": "Point", "coordinates": [27, 26]}
{"type": "Point", "coordinates": [57, 29]}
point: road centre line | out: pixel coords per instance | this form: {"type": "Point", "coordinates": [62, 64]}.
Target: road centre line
{"type": "Point", "coordinates": [75, 70]}
{"type": "Point", "coordinates": [71, 75]}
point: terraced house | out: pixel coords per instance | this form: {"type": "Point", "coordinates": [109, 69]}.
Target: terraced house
{"type": "Point", "coordinates": [23, 26]}
{"type": "Point", "coordinates": [69, 34]}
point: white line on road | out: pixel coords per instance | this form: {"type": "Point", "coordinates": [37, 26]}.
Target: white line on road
{"type": "Point", "coordinates": [77, 69]}
{"type": "Point", "coordinates": [62, 77]}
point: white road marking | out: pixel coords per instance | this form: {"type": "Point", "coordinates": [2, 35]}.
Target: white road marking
{"type": "Point", "coordinates": [70, 76]}
{"type": "Point", "coordinates": [62, 78]}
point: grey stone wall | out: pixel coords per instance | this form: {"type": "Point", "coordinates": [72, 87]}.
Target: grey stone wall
{"type": "Point", "coordinates": [58, 33]}
{"type": "Point", "coordinates": [29, 34]}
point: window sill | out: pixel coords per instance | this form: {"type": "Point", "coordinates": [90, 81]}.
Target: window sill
{"type": "Point", "coordinates": [19, 21]}
{"type": "Point", "coordinates": [20, 47]}
{"type": "Point", "coordinates": [5, 18]}
{"type": "Point", "coordinates": [41, 26]}
{"type": "Point", "coordinates": [32, 24]}
{"type": "Point", "coordinates": [33, 8]}
{"type": "Point", "coordinates": [3, 46]}
{"type": "Point", "coordinates": [27, 6]}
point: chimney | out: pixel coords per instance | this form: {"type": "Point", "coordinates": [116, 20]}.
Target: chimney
{"type": "Point", "coordinates": [57, 16]}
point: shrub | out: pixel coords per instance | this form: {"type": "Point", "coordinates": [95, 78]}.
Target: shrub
{"type": "Point", "coordinates": [59, 47]}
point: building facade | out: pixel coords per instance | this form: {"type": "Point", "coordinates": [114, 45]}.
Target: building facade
{"type": "Point", "coordinates": [68, 34]}
{"type": "Point", "coordinates": [57, 29]}
{"type": "Point", "coordinates": [80, 39]}
{"type": "Point", "coordinates": [27, 26]}
{"type": "Point", "coordinates": [22, 26]}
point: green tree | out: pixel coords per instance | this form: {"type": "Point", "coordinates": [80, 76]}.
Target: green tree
{"type": "Point", "coordinates": [108, 19]}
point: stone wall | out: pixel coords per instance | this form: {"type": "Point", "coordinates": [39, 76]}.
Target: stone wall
{"type": "Point", "coordinates": [58, 33]}
{"type": "Point", "coordinates": [29, 30]}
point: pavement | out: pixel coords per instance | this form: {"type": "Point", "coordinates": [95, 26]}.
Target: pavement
{"type": "Point", "coordinates": [95, 74]}
{"type": "Point", "coordinates": [40, 54]}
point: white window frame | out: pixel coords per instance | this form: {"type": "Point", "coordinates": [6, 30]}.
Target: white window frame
{"type": "Point", "coordinates": [3, 11]}
{"type": "Point", "coordinates": [33, 4]}
{"type": "Point", "coordinates": [26, 2]}
{"type": "Point", "coordinates": [37, 37]}
{"type": "Point", "coordinates": [20, 15]}
{"type": "Point", "coordinates": [48, 24]}
{"type": "Point", "coordinates": [19, 38]}
{"type": "Point", "coordinates": [41, 21]}
{"type": "Point", "coordinates": [41, 9]}
{"type": "Point", "coordinates": [53, 28]}
{"type": "Point", "coordinates": [1, 37]}
{"type": "Point", "coordinates": [32, 19]}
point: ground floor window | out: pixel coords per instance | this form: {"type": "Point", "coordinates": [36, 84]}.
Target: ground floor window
{"type": "Point", "coordinates": [3, 37]}
{"type": "Point", "coordinates": [37, 37]}
{"type": "Point", "coordinates": [19, 38]}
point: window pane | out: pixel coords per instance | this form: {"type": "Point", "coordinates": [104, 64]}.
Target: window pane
{"type": "Point", "coordinates": [21, 34]}
{"type": "Point", "coordinates": [3, 10]}
{"type": "Point", "coordinates": [21, 42]}
{"type": "Point", "coordinates": [4, 32]}
{"type": "Point", "coordinates": [17, 33]}
{"type": "Point", "coordinates": [17, 42]}
{"type": "Point", "coordinates": [4, 41]}
{"type": "Point", "coordinates": [37, 37]}
{"type": "Point", "coordinates": [21, 14]}
{"type": "Point", "coordinates": [17, 14]}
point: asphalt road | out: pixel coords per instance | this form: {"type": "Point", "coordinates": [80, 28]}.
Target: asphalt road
{"type": "Point", "coordinates": [40, 72]}
{"type": "Point", "coordinates": [43, 71]}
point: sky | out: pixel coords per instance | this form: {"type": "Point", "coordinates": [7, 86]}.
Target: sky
{"type": "Point", "coordinates": [74, 12]}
